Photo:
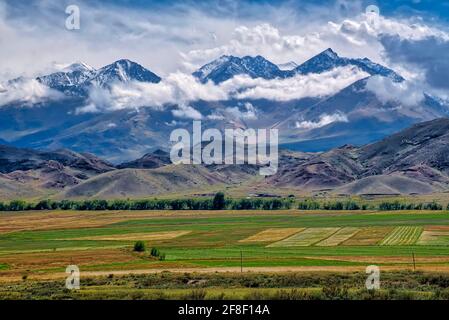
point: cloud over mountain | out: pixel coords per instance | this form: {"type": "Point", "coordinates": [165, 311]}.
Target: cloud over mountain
{"type": "Point", "coordinates": [180, 88]}
{"type": "Point", "coordinates": [28, 91]}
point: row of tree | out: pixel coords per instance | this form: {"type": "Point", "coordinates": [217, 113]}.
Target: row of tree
{"type": "Point", "coordinates": [354, 205]}
{"type": "Point", "coordinates": [219, 202]}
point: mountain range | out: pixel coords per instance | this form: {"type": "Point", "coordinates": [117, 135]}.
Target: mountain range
{"type": "Point", "coordinates": [353, 115]}
{"type": "Point", "coordinates": [412, 161]}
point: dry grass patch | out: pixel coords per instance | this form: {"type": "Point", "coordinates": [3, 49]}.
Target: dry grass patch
{"type": "Point", "coordinates": [272, 234]}
{"type": "Point", "coordinates": [338, 237]}
{"type": "Point", "coordinates": [434, 236]}
{"type": "Point", "coordinates": [163, 235]}
{"type": "Point", "coordinates": [61, 259]}
{"type": "Point", "coordinates": [368, 236]}
{"type": "Point", "coordinates": [305, 238]}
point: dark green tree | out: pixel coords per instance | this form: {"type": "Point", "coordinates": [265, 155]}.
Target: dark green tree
{"type": "Point", "coordinates": [219, 201]}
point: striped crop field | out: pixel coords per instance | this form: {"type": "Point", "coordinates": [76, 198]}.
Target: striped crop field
{"type": "Point", "coordinates": [402, 236]}
{"type": "Point", "coordinates": [272, 234]}
{"type": "Point", "coordinates": [308, 237]}
{"type": "Point", "coordinates": [368, 236]}
{"type": "Point", "coordinates": [339, 237]}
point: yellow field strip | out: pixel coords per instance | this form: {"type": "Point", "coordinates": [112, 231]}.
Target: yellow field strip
{"type": "Point", "coordinates": [165, 235]}
{"type": "Point", "coordinates": [272, 234]}
{"type": "Point", "coordinates": [402, 236]}
{"type": "Point", "coordinates": [308, 237]}
{"type": "Point", "coordinates": [338, 237]}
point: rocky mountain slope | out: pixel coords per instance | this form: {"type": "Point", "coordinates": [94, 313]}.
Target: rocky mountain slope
{"type": "Point", "coordinates": [411, 161]}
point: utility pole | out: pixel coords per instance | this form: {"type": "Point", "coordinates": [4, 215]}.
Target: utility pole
{"type": "Point", "coordinates": [414, 263]}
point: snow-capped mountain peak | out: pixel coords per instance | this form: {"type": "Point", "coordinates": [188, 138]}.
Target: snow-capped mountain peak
{"type": "Point", "coordinates": [124, 71]}
{"type": "Point", "coordinates": [76, 78]}
{"type": "Point", "coordinates": [226, 67]}
{"type": "Point", "coordinates": [329, 59]}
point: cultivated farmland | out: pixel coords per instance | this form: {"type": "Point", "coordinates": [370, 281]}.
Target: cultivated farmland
{"type": "Point", "coordinates": [40, 245]}
{"type": "Point", "coordinates": [272, 234]}
{"type": "Point", "coordinates": [305, 238]}
{"type": "Point", "coordinates": [339, 236]}
{"type": "Point", "coordinates": [402, 236]}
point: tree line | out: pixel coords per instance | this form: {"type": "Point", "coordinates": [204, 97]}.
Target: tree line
{"type": "Point", "coordinates": [218, 202]}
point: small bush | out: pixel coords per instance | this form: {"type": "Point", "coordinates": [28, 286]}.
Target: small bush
{"type": "Point", "coordinates": [139, 246]}
{"type": "Point", "coordinates": [155, 252]}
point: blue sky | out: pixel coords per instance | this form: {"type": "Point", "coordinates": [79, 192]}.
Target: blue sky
{"type": "Point", "coordinates": [432, 9]}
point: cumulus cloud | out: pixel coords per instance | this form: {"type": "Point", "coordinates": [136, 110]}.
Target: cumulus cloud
{"type": "Point", "coordinates": [179, 89]}
{"type": "Point", "coordinates": [407, 93]}
{"type": "Point", "coordinates": [157, 35]}
{"type": "Point", "coordinates": [27, 92]}
{"type": "Point", "coordinates": [324, 120]}
{"type": "Point", "coordinates": [357, 37]}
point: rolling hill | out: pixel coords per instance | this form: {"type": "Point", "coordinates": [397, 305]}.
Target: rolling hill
{"type": "Point", "coordinates": [413, 161]}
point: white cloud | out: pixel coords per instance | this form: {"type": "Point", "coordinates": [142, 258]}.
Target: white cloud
{"type": "Point", "coordinates": [355, 37]}
{"type": "Point", "coordinates": [27, 92]}
{"type": "Point", "coordinates": [324, 120]}
{"type": "Point", "coordinates": [408, 93]}
{"type": "Point", "coordinates": [297, 87]}
{"type": "Point", "coordinates": [179, 88]}
{"type": "Point", "coordinates": [156, 36]}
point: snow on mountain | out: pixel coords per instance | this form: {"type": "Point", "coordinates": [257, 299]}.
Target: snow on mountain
{"type": "Point", "coordinates": [123, 71]}
{"type": "Point", "coordinates": [328, 60]}
{"type": "Point", "coordinates": [226, 67]}
{"type": "Point", "coordinates": [78, 77]}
